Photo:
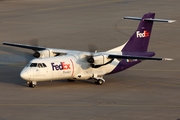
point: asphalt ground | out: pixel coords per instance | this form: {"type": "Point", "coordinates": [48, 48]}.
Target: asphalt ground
{"type": "Point", "coordinates": [148, 91]}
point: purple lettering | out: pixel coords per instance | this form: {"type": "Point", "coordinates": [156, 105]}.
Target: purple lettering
{"type": "Point", "coordinates": [61, 66]}
{"type": "Point", "coordinates": [57, 67]}
{"type": "Point", "coordinates": [53, 66]}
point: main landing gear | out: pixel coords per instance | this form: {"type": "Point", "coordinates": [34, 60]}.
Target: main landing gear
{"type": "Point", "coordinates": [31, 84]}
{"type": "Point", "coordinates": [99, 81]}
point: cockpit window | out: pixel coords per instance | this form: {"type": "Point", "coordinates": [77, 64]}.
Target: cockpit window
{"type": "Point", "coordinates": [33, 65]}
{"type": "Point", "coordinates": [44, 65]}
{"type": "Point", "coordinates": [39, 65]}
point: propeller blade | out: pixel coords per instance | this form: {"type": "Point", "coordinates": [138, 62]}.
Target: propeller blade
{"type": "Point", "coordinates": [92, 49]}
{"type": "Point", "coordinates": [34, 42]}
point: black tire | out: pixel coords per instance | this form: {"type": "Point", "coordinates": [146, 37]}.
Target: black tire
{"type": "Point", "coordinates": [96, 82]}
{"type": "Point", "coordinates": [100, 82]}
{"type": "Point", "coordinates": [31, 85]}
{"type": "Point", "coordinates": [70, 80]}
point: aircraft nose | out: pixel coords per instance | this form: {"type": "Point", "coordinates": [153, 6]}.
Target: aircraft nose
{"type": "Point", "coordinates": [24, 75]}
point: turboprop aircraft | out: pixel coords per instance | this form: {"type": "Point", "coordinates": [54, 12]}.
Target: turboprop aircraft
{"type": "Point", "coordinates": [59, 64]}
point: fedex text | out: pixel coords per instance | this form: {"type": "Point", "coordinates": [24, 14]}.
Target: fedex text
{"type": "Point", "coordinates": [60, 66]}
{"type": "Point", "coordinates": [142, 35]}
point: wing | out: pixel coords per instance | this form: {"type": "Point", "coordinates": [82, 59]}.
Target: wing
{"type": "Point", "coordinates": [39, 48]}
{"type": "Point", "coordinates": [42, 52]}
{"type": "Point", "coordinates": [24, 46]}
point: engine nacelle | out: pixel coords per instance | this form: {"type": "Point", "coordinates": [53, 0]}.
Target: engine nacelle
{"type": "Point", "coordinates": [44, 54]}
{"type": "Point", "coordinates": [36, 54]}
{"type": "Point", "coordinates": [101, 60]}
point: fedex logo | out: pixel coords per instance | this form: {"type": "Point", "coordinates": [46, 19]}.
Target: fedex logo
{"type": "Point", "coordinates": [142, 35]}
{"type": "Point", "coordinates": [61, 66]}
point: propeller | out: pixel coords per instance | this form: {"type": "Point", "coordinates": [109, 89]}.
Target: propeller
{"type": "Point", "coordinates": [92, 50]}
{"type": "Point", "coordinates": [28, 57]}
{"type": "Point", "coordinates": [35, 42]}
{"type": "Point", "coordinates": [31, 56]}
{"type": "Point", "coordinates": [18, 55]}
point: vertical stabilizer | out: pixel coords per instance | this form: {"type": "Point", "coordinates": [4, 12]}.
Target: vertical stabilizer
{"type": "Point", "coordinates": [140, 39]}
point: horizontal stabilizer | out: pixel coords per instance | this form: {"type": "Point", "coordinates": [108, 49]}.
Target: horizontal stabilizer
{"type": "Point", "coordinates": [149, 19]}
{"type": "Point", "coordinates": [131, 18]}
{"type": "Point", "coordinates": [136, 57]}
{"type": "Point", "coordinates": [160, 20]}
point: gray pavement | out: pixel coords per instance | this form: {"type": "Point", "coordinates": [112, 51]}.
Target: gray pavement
{"type": "Point", "coordinates": [148, 91]}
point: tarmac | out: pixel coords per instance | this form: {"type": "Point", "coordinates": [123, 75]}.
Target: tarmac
{"type": "Point", "coordinates": [147, 91]}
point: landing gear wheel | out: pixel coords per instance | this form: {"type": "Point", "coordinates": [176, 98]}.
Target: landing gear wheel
{"type": "Point", "coordinates": [30, 84]}
{"type": "Point", "coordinates": [96, 82]}
{"type": "Point", "coordinates": [100, 82]}
{"type": "Point", "coordinates": [70, 80]}
{"type": "Point", "coordinates": [33, 85]}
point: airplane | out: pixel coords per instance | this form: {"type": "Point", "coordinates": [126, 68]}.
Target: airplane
{"type": "Point", "coordinates": [61, 64]}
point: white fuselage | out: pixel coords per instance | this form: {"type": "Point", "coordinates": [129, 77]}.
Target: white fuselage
{"type": "Point", "coordinates": [63, 67]}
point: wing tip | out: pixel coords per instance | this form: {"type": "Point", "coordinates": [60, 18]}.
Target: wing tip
{"type": "Point", "coordinates": [167, 59]}
{"type": "Point", "coordinates": [171, 21]}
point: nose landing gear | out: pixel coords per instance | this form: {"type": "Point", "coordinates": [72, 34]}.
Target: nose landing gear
{"type": "Point", "coordinates": [31, 84]}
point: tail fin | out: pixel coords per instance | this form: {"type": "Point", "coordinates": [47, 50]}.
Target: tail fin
{"type": "Point", "coordinates": [140, 39]}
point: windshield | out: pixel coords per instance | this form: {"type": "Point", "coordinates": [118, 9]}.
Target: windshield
{"type": "Point", "coordinates": [40, 65]}
{"type": "Point", "coordinates": [33, 65]}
